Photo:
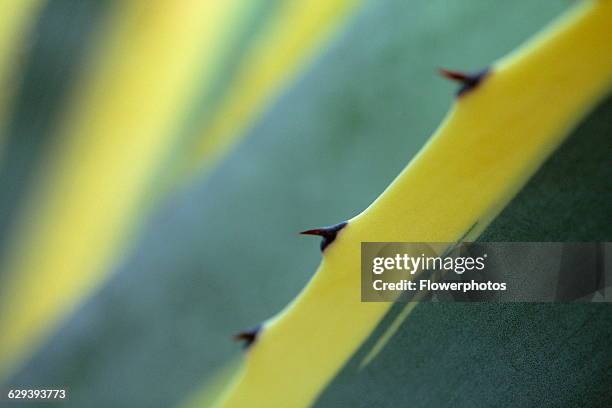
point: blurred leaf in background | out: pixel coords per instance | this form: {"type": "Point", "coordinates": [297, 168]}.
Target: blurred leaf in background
{"type": "Point", "coordinates": [79, 197]}
{"type": "Point", "coordinates": [330, 109]}
{"type": "Point", "coordinates": [14, 24]}
{"type": "Point", "coordinates": [149, 63]}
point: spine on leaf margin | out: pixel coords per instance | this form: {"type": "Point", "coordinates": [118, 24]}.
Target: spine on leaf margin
{"type": "Point", "coordinates": [506, 122]}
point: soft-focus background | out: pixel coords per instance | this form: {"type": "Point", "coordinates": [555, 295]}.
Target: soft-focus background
{"type": "Point", "coordinates": [157, 159]}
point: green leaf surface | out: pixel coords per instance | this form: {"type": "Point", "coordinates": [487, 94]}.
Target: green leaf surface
{"type": "Point", "coordinates": [61, 38]}
{"type": "Point", "coordinates": [507, 355]}
{"type": "Point", "coordinates": [223, 254]}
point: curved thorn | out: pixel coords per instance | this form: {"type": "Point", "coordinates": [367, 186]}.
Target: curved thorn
{"type": "Point", "coordinates": [468, 81]}
{"type": "Point", "coordinates": [327, 233]}
{"type": "Point", "coordinates": [248, 336]}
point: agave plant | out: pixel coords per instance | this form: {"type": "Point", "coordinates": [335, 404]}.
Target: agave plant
{"type": "Point", "coordinates": [158, 159]}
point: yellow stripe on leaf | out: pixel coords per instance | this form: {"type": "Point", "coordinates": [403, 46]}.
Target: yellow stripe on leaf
{"type": "Point", "coordinates": [16, 18]}
{"type": "Point", "coordinates": [116, 133]}
{"type": "Point", "coordinates": [288, 44]}
{"type": "Point", "coordinates": [493, 140]}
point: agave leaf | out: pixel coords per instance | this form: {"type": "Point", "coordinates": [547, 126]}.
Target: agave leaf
{"type": "Point", "coordinates": [220, 257]}
{"type": "Point", "coordinates": [15, 20]}
{"type": "Point", "coordinates": [114, 134]}
{"type": "Point", "coordinates": [288, 44]}
{"type": "Point", "coordinates": [47, 76]}
{"type": "Point", "coordinates": [484, 152]}
{"type": "Point", "coordinates": [510, 354]}
{"type": "Point", "coordinates": [108, 109]}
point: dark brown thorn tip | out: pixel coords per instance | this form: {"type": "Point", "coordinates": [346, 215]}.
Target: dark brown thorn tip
{"type": "Point", "coordinates": [467, 81]}
{"type": "Point", "coordinates": [327, 233]}
{"type": "Point", "coordinates": [248, 336]}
